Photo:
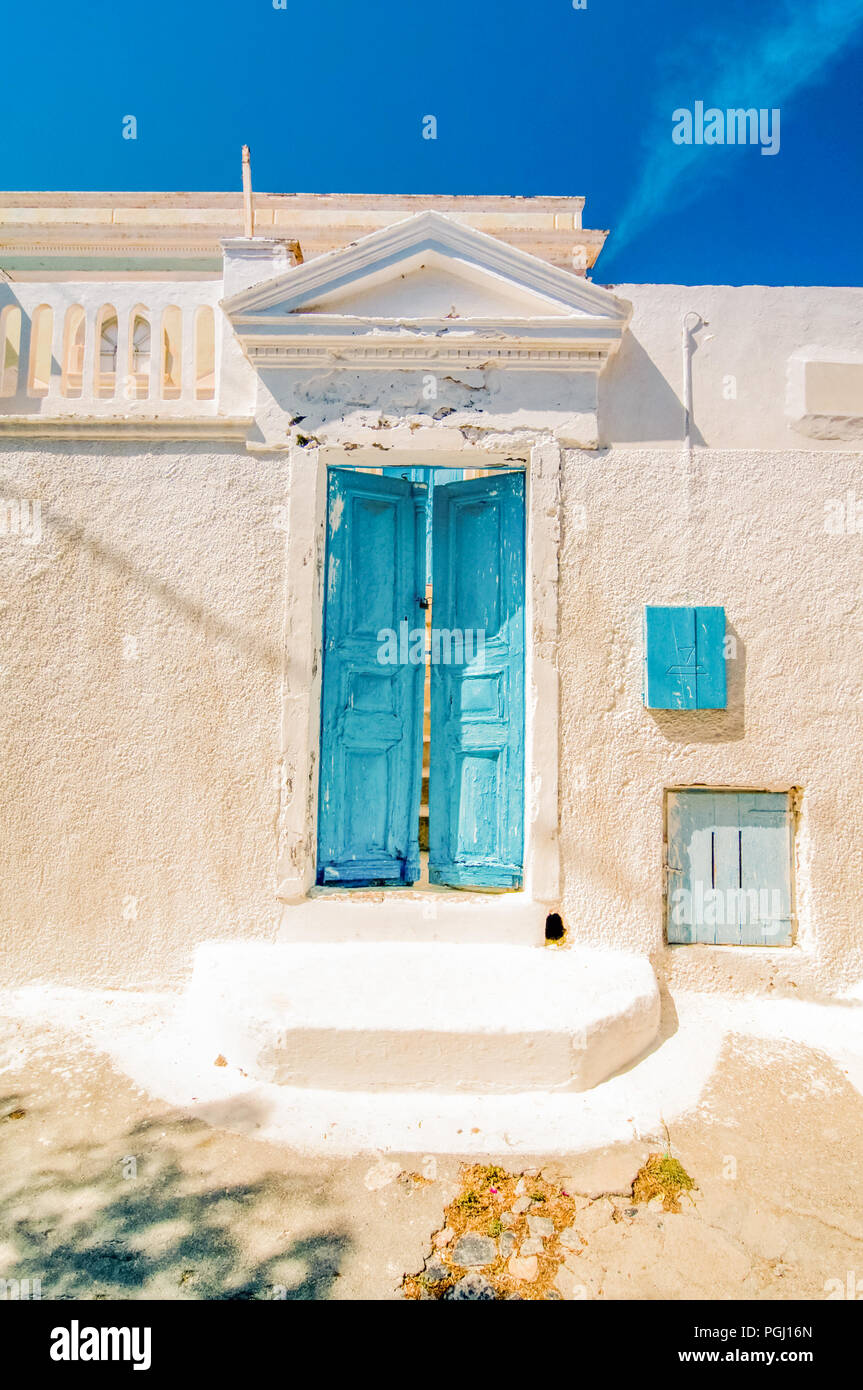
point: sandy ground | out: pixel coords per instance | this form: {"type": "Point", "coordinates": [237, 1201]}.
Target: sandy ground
{"type": "Point", "coordinates": [108, 1192]}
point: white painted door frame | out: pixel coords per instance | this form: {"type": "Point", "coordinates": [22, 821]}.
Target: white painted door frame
{"type": "Point", "coordinates": [300, 711]}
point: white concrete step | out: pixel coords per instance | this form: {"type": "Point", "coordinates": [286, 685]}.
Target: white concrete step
{"type": "Point", "coordinates": [395, 1016]}
{"type": "Point", "coordinates": [416, 915]}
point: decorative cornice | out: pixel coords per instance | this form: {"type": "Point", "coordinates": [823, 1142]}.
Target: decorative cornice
{"type": "Point", "coordinates": [576, 325]}
{"type": "Point", "coordinates": [351, 352]}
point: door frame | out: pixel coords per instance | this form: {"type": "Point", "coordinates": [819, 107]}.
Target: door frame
{"type": "Point", "coordinates": [300, 714]}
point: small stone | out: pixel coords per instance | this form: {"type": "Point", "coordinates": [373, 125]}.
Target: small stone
{"type": "Point", "coordinates": [443, 1238]}
{"type": "Point", "coordinates": [570, 1239]}
{"type": "Point", "coordinates": [436, 1271]}
{"type": "Point", "coordinates": [553, 1295]}
{"type": "Point", "coordinates": [472, 1286]}
{"type": "Point", "coordinates": [507, 1244]}
{"type": "Point", "coordinates": [534, 1246]}
{"type": "Point", "coordinates": [526, 1269]}
{"type": "Point", "coordinates": [541, 1226]}
{"type": "Point", "coordinates": [520, 1187]}
{"type": "Point", "coordinates": [530, 1172]}
{"type": "Point", "coordinates": [509, 1218]}
{"type": "Point", "coordinates": [471, 1250]}
{"type": "Point", "coordinates": [522, 1205]}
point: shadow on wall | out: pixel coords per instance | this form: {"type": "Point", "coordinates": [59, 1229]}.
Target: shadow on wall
{"type": "Point", "coordinates": [86, 1230]}
{"type": "Point", "coordinates": [712, 725]}
{"type": "Point", "coordinates": [190, 609]}
{"type": "Point", "coordinates": [637, 405]}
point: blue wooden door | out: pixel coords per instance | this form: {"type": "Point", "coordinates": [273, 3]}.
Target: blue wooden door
{"type": "Point", "coordinates": [729, 868]}
{"type": "Point", "coordinates": [433, 477]}
{"type": "Point", "coordinates": [476, 775]}
{"type": "Point", "coordinates": [372, 696]}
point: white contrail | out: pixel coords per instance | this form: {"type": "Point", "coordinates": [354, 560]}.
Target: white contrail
{"type": "Point", "coordinates": [776, 57]}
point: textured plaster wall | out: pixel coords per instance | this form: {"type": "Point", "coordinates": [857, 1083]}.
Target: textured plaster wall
{"type": "Point", "coordinates": [744, 529]}
{"type": "Point", "coordinates": [140, 646]}
{"type": "Point", "coordinates": [740, 364]}
{"type": "Point", "coordinates": [159, 646]}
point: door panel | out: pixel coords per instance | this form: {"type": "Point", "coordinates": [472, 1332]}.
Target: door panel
{"type": "Point", "coordinates": [371, 701]}
{"type": "Point", "coordinates": [476, 792]}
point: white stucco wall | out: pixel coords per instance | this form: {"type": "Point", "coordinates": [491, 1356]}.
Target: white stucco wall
{"type": "Point", "coordinates": [744, 529]}
{"type": "Point", "coordinates": [740, 363]}
{"type": "Point", "coordinates": [148, 802]}
{"type": "Point", "coordinates": [139, 792]}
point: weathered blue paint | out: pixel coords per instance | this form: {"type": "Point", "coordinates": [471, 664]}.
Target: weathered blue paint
{"type": "Point", "coordinates": [710, 688]}
{"type": "Point", "coordinates": [476, 788]}
{"type": "Point", "coordinates": [729, 868]}
{"type": "Point", "coordinates": [684, 658]}
{"type": "Point", "coordinates": [432, 477]}
{"type": "Point", "coordinates": [371, 713]}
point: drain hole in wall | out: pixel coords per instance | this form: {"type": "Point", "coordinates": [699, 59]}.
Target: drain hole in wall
{"type": "Point", "coordinates": [554, 927]}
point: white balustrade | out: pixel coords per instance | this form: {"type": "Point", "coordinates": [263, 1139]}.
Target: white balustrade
{"type": "Point", "coordinates": [129, 299]}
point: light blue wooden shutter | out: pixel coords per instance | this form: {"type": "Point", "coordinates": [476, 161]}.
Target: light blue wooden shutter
{"type": "Point", "coordinates": [684, 658]}
{"type": "Point", "coordinates": [729, 868]}
{"type": "Point", "coordinates": [669, 640]}
{"type": "Point", "coordinates": [710, 688]}
{"type": "Point", "coordinates": [371, 712]}
{"type": "Point", "coordinates": [476, 790]}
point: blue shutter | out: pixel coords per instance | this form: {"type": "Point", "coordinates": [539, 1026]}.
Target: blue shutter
{"type": "Point", "coordinates": [729, 868]}
{"type": "Point", "coordinates": [476, 787]}
{"type": "Point", "coordinates": [710, 658]}
{"type": "Point", "coordinates": [684, 658]}
{"type": "Point", "coordinates": [669, 643]}
{"type": "Point", "coordinates": [371, 712]}
{"type": "Point", "coordinates": [766, 833]}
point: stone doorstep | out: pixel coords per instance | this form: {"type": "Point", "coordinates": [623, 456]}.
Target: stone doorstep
{"type": "Point", "coordinates": [414, 915]}
{"type": "Point", "coordinates": [427, 1016]}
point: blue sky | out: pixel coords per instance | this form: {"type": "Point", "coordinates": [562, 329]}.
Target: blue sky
{"type": "Point", "coordinates": [528, 98]}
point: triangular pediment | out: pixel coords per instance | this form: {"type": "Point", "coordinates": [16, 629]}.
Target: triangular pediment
{"type": "Point", "coordinates": [426, 288]}
{"type": "Point", "coordinates": [420, 268]}
{"type": "Point", "coordinates": [431, 286]}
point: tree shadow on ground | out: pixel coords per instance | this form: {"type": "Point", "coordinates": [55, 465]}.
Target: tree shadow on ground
{"type": "Point", "coordinates": [144, 1216]}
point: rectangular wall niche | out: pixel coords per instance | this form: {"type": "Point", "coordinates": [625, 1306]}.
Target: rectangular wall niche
{"type": "Point", "coordinates": [684, 658]}
{"type": "Point", "coordinates": [729, 868]}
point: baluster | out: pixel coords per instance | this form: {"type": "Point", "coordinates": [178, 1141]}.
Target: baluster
{"type": "Point", "coordinates": [24, 348]}
{"type": "Point", "coordinates": [88, 374]}
{"type": "Point", "coordinates": [124, 389]}
{"type": "Point", "coordinates": [55, 374]}
{"type": "Point", "coordinates": [187, 330]}
{"type": "Point", "coordinates": [156, 355]}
